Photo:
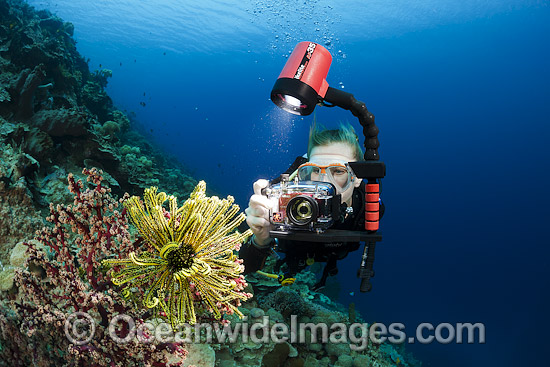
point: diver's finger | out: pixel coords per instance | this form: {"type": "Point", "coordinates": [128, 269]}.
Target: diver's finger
{"type": "Point", "coordinates": [259, 185]}
{"type": "Point", "coordinates": [257, 211]}
{"type": "Point", "coordinates": [260, 201]}
{"type": "Point", "coordinates": [257, 224]}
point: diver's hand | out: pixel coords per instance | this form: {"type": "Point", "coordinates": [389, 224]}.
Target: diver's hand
{"type": "Point", "coordinates": [257, 214]}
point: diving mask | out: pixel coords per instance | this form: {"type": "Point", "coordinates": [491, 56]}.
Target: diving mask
{"type": "Point", "coordinates": [339, 174]}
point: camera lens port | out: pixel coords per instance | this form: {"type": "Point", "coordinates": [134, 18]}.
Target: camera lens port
{"type": "Point", "coordinates": [302, 210]}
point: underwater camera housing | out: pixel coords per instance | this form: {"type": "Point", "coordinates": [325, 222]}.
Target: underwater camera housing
{"type": "Point", "coordinates": [299, 88]}
{"type": "Point", "coordinates": [303, 206]}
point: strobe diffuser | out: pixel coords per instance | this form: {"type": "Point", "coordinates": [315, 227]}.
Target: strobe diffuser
{"type": "Point", "coordinates": [302, 83]}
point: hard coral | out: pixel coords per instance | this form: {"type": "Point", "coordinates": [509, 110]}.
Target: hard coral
{"type": "Point", "coordinates": [18, 216]}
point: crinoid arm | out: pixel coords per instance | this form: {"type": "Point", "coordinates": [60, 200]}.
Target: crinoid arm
{"type": "Point", "coordinates": [194, 265]}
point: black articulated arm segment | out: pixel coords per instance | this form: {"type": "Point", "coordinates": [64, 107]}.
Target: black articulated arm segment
{"type": "Point", "coordinates": [348, 102]}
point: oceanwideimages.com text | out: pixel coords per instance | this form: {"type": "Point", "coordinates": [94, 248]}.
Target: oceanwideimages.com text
{"type": "Point", "coordinates": [80, 328]}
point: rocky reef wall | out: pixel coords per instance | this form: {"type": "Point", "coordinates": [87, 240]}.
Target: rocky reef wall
{"type": "Point", "coordinates": [56, 118]}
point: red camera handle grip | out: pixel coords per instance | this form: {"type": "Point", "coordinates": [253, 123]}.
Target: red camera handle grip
{"type": "Point", "coordinates": [372, 206]}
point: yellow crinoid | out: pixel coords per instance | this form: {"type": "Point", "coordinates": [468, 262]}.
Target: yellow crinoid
{"type": "Point", "coordinates": [194, 262]}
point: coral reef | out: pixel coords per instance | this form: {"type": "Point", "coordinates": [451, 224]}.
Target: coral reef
{"type": "Point", "coordinates": [64, 276]}
{"type": "Point", "coordinates": [18, 216]}
{"type": "Point", "coordinates": [55, 117]}
{"type": "Point", "coordinates": [297, 302]}
{"type": "Point", "coordinates": [58, 113]}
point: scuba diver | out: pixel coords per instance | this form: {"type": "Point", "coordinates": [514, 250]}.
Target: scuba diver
{"type": "Point", "coordinates": [328, 154]}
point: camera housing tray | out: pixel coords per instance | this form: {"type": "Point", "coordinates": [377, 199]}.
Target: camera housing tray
{"type": "Point", "coordinates": [329, 235]}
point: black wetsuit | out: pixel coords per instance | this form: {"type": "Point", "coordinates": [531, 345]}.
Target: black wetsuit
{"type": "Point", "coordinates": [297, 252]}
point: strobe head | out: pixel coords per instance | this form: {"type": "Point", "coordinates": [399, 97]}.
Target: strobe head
{"type": "Point", "coordinates": [302, 83]}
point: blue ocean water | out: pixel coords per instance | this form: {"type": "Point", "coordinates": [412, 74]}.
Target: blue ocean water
{"type": "Point", "coordinates": [460, 91]}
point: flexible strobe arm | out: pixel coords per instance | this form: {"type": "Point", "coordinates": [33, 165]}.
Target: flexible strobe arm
{"type": "Point", "coordinates": [348, 102]}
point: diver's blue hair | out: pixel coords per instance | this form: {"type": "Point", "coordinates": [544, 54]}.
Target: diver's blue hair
{"type": "Point", "coordinates": [319, 136]}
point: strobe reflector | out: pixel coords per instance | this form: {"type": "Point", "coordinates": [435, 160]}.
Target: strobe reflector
{"type": "Point", "coordinates": [302, 83]}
